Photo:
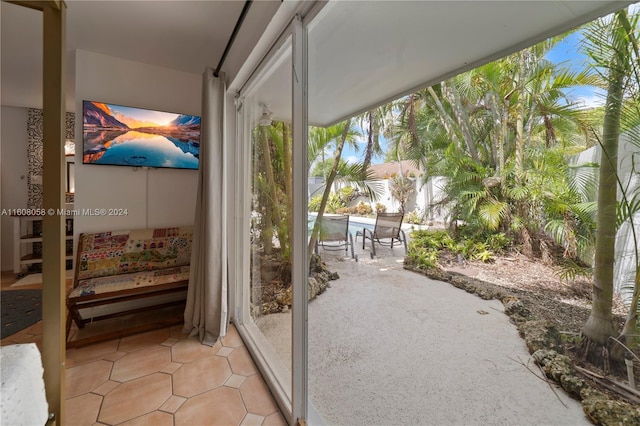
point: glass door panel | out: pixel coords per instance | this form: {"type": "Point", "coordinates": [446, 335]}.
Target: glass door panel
{"type": "Point", "coordinates": [266, 117]}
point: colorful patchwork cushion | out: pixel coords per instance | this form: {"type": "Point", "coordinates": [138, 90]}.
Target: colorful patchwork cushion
{"type": "Point", "coordinates": [111, 253]}
{"type": "Point", "coordinates": [102, 285]}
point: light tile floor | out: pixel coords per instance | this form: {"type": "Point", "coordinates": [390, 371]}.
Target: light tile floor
{"type": "Point", "coordinates": [162, 377]}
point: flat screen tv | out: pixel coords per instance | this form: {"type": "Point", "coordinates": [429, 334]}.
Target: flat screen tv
{"type": "Point", "coordinates": [126, 136]}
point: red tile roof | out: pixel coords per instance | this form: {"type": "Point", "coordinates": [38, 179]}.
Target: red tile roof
{"type": "Point", "coordinates": [387, 170]}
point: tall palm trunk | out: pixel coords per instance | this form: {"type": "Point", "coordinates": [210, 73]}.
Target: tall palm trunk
{"type": "Point", "coordinates": [521, 205]}
{"type": "Point", "coordinates": [599, 326]}
{"type": "Point", "coordinates": [520, 119]}
{"type": "Point", "coordinates": [371, 116]}
{"type": "Point", "coordinates": [288, 180]}
{"type": "Point", "coordinates": [462, 119]}
{"type": "Point", "coordinates": [272, 207]}
{"type": "Point", "coordinates": [504, 130]}
{"type": "Point", "coordinates": [327, 187]}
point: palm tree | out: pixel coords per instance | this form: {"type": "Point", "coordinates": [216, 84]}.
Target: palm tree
{"type": "Point", "coordinates": [319, 139]}
{"type": "Point", "coordinates": [401, 187]}
{"type": "Point", "coordinates": [630, 121]}
{"type": "Point", "coordinates": [272, 185]}
{"type": "Point", "coordinates": [488, 131]}
{"type": "Point", "coordinates": [614, 48]}
{"type": "Point", "coordinates": [371, 122]}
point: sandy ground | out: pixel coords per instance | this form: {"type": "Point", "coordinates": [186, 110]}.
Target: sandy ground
{"type": "Point", "coordinates": [392, 347]}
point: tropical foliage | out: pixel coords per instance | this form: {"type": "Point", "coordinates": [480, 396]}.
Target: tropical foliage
{"type": "Point", "coordinates": [401, 187]}
{"type": "Point", "coordinates": [428, 248]}
{"type": "Point", "coordinates": [271, 186]}
{"type": "Point", "coordinates": [501, 134]}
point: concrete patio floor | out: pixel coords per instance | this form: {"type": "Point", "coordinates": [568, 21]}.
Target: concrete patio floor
{"type": "Point", "coordinates": [388, 347]}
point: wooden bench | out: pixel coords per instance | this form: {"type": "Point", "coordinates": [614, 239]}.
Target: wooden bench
{"type": "Point", "coordinates": [126, 272]}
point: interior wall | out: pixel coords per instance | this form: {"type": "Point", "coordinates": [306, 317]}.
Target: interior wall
{"type": "Point", "coordinates": [13, 167]}
{"type": "Point", "coordinates": [146, 197]}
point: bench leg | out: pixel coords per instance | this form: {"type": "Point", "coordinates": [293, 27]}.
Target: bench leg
{"type": "Point", "coordinates": [75, 316]}
{"type": "Point", "coordinates": [68, 323]}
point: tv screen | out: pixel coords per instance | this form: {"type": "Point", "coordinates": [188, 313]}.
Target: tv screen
{"type": "Point", "coordinates": [127, 136]}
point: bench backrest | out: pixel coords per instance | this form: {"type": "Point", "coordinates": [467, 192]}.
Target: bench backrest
{"type": "Point", "coordinates": [123, 252]}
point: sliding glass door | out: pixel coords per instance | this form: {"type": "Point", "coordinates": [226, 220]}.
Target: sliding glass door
{"type": "Point", "coordinates": [266, 196]}
{"type": "Point", "coordinates": [271, 216]}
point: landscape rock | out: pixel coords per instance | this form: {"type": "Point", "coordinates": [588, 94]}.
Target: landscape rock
{"type": "Point", "coordinates": [603, 411]}
{"type": "Point", "coordinates": [513, 306]}
{"type": "Point", "coordinates": [317, 285]}
{"type": "Point", "coordinates": [573, 384]}
{"type": "Point", "coordinates": [554, 365]}
{"type": "Point", "coordinates": [517, 319]}
{"type": "Point", "coordinates": [282, 298]}
{"type": "Point", "coordinates": [539, 334]}
{"type": "Point", "coordinates": [433, 273]}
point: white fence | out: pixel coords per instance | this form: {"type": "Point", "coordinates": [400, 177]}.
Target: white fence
{"type": "Point", "coordinates": [625, 260]}
{"type": "Point", "coordinates": [424, 199]}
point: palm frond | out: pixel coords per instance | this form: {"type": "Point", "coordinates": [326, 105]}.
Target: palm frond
{"type": "Point", "coordinates": [628, 210]}
{"type": "Point", "coordinates": [583, 179]}
{"type": "Point", "coordinates": [492, 213]}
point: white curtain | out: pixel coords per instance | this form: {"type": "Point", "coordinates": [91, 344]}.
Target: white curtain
{"type": "Point", "coordinates": [206, 313]}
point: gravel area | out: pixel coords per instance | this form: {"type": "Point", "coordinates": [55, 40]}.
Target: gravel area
{"type": "Point", "coordinates": [567, 304]}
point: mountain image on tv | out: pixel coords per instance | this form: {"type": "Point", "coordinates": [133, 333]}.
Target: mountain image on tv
{"type": "Point", "coordinates": [128, 136]}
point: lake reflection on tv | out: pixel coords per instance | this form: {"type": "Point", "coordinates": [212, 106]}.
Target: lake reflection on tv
{"type": "Point", "coordinates": [139, 149]}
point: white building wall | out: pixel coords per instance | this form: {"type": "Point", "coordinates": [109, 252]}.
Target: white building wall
{"type": "Point", "coordinates": [422, 201]}
{"type": "Point", "coordinates": [629, 172]}
{"type": "Point", "coordinates": [625, 257]}
{"type": "Point", "coordinates": [431, 193]}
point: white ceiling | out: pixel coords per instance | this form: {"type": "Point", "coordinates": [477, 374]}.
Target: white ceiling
{"type": "Point", "coordinates": [363, 54]}
{"type": "Point", "coordinates": [181, 35]}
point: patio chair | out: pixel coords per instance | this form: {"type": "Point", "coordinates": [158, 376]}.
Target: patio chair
{"type": "Point", "coordinates": [387, 232]}
{"type": "Point", "coordinates": [334, 234]}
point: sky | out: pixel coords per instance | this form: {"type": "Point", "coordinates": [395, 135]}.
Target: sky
{"type": "Point", "coordinates": [566, 52]}
{"type": "Point", "coordinates": [351, 156]}
{"type": "Point", "coordinates": [138, 117]}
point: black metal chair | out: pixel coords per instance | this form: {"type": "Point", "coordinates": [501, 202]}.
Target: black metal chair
{"type": "Point", "coordinates": [334, 234]}
{"type": "Point", "coordinates": [387, 232]}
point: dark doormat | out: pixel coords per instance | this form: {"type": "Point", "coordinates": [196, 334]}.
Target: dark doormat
{"type": "Point", "coordinates": [19, 309]}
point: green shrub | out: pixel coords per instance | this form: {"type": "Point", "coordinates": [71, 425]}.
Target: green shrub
{"type": "Point", "coordinates": [471, 248]}
{"type": "Point", "coordinates": [483, 256]}
{"type": "Point", "coordinates": [347, 194]}
{"type": "Point", "coordinates": [423, 258]}
{"type": "Point", "coordinates": [314, 203]}
{"type": "Point", "coordinates": [498, 242]}
{"type": "Point", "coordinates": [432, 239]}
{"type": "Point", "coordinates": [381, 208]}
{"type": "Point", "coordinates": [334, 202]}
{"type": "Point", "coordinates": [413, 217]}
